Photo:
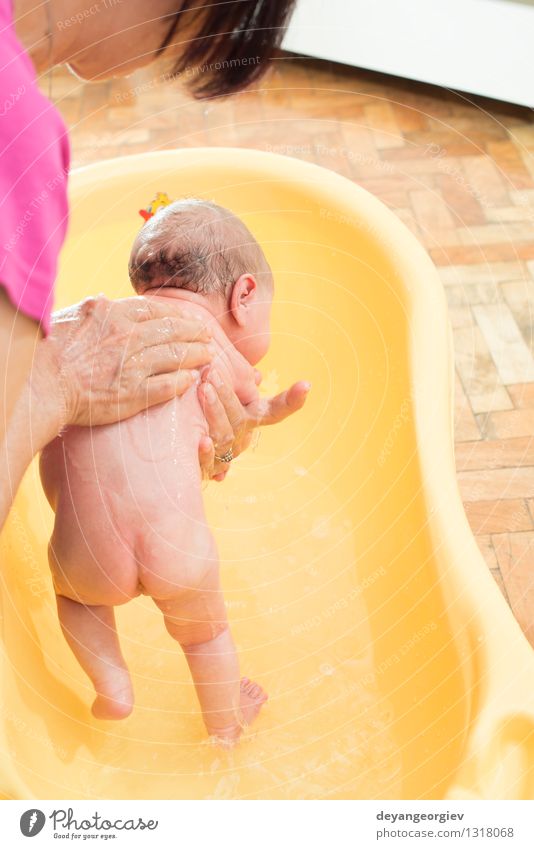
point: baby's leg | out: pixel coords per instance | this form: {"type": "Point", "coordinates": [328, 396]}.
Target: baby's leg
{"type": "Point", "coordinates": [197, 620]}
{"type": "Point", "coordinates": [91, 633]}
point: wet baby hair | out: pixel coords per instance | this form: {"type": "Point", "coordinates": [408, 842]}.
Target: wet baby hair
{"type": "Point", "coordinates": [196, 245]}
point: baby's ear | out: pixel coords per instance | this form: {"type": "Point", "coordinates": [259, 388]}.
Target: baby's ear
{"type": "Point", "coordinates": [243, 292]}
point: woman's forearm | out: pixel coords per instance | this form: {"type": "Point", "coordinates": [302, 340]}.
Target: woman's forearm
{"type": "Point", "coordinates": [18, 337]}
{"type": "Point", "coordinates": [35, 421]}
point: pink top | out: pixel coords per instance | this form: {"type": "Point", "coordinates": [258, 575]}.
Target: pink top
{"type": "Point", "coordinates": [34, 163]}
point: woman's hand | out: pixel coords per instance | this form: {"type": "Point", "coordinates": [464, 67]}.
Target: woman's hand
{"type": "Point", "coordinates": [107, 360]}
{"type": "Point", "coordinates": [231, 424]}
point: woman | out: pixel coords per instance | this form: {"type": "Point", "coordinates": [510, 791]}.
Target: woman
{"type": "Point", "coordinates": [101, 361]}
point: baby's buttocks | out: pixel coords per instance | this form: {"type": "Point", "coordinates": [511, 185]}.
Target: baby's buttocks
{"type": "Point", "coordinates": [126, 498]}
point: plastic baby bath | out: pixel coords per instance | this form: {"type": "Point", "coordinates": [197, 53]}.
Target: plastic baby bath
{"type": "Point", "coordinates": [355, 589]}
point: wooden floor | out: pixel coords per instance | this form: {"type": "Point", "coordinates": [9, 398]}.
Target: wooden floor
{"type": "Point", "coordinates": [458, 170]}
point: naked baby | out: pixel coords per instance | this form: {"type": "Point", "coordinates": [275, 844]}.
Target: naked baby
{"type": "Point", "coordinates": [129, 513]}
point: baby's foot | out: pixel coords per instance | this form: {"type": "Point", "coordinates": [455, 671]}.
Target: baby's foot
{"type": "Point", "coordinates": [114, 695]}
{"type": "Point", "coordinates": [252, 698]}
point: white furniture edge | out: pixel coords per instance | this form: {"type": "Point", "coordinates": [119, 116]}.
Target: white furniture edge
{"type": "Point", "coordinates": [484, 47]}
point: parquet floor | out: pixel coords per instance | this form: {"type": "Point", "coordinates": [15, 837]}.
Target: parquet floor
{"type": "Point", "coordinates": [458, 170]}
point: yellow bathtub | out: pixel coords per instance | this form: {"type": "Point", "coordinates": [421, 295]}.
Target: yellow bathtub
{"type": "Point", "coordinates": [356, 592]}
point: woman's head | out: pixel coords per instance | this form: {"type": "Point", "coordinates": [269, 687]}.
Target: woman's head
{"type": "Point", "coordinates": [218, 47]}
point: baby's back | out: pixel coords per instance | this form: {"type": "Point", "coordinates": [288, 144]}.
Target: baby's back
{"type": "Point", "coordinates": [147, 460]}
{"type": "Point", "coordinates": [127, 497]}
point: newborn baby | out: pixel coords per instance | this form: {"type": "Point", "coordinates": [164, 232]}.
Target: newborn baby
{"type": "Point", "coordinates": [127, 497]}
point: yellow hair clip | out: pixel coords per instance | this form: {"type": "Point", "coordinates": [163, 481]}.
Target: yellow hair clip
{"type": "Point", "coordinates": [162, 199]}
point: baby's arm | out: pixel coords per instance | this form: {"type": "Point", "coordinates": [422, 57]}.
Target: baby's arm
{"type": "Point", "coordinates": [49, 469]}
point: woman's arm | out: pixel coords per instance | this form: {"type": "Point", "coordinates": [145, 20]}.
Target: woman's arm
{"type": "Point", "coordinates": [35, 421]}
{"type": "Point", "coordinates": [18, 337]}
{"type": "Point", "coordinates": [103, 361]}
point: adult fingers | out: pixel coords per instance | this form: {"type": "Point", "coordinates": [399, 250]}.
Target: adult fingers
{"type": "Point", "coordinates": [206, 455]}
{"type": "Point", "coordinates": [273, 410]}
{"type": "Point", "coordinates": [168, 330]}
{"type": "Point", "coordinates": [139, 308]}
{"type": "Point", "coordinates": [164, 387]}
{"type": "Point", "coordinates": [219, 426]}
{"type": "Point", "coordinates": [235, 412]}
{"type": "Point", "coordinates": [167, 358]}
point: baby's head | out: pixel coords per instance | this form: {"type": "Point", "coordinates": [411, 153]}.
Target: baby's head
{"type": "Point", "coordinates": [204, 249]}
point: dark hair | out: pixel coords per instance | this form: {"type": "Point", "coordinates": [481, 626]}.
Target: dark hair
{"type": "Point", "coordinates": [197, 245]}
{"type": "Point", "coordinates": [233, 45]}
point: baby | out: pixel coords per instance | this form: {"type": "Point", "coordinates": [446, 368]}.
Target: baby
{"type": "Point", "coordinates": [129, 514]}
